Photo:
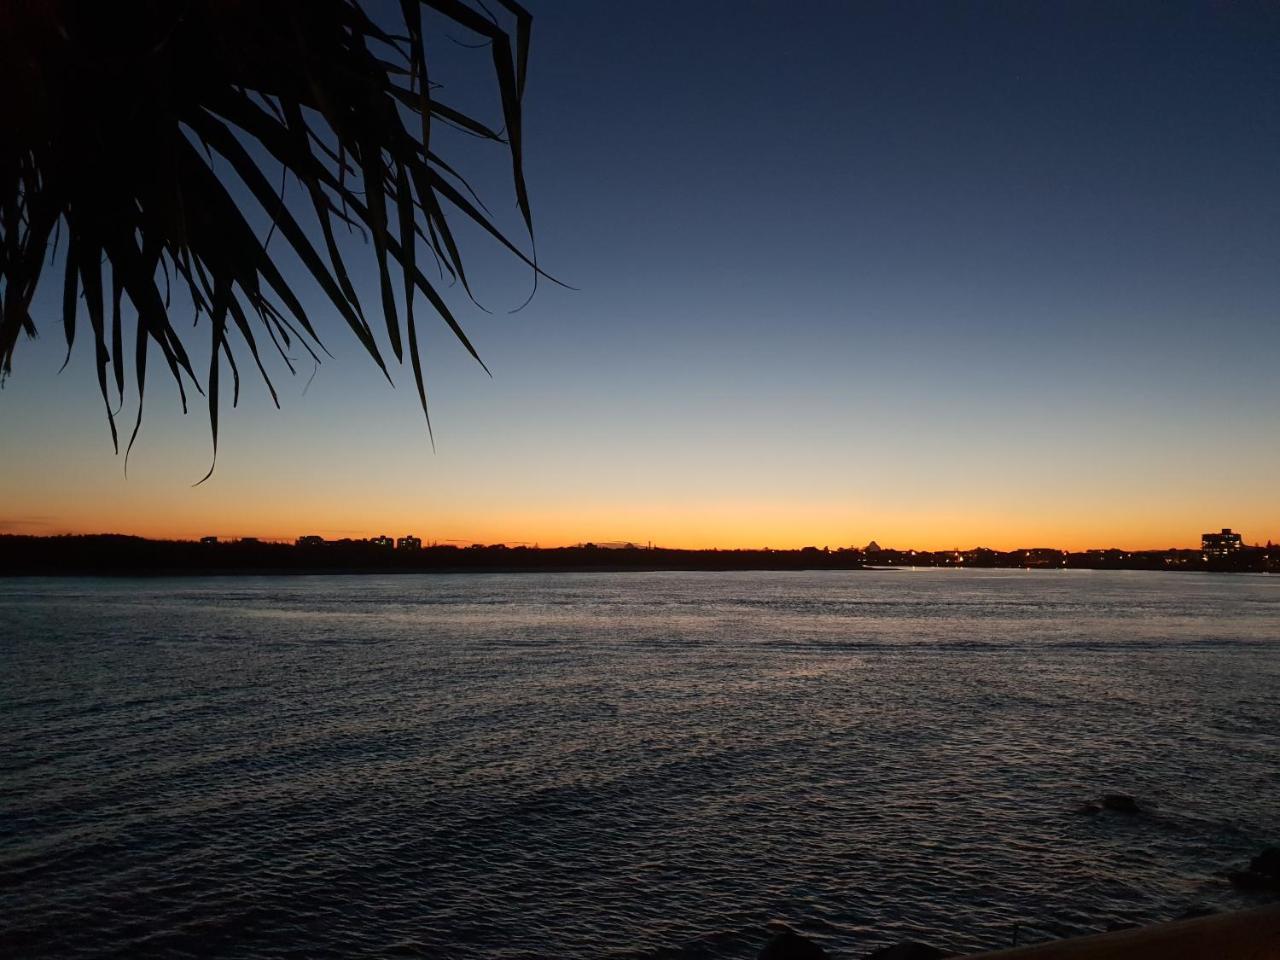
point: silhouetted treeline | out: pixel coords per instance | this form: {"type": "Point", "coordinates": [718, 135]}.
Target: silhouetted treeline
{"type": "Point", "coordinates": [109, 555]}
{"type": "Point", "coordinates": [112, 554]}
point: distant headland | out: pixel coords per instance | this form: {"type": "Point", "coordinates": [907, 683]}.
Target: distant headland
{"type": "Point", "coordinates": [121, 555]}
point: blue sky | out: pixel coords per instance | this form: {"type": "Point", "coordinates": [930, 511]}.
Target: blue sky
{"type": "Point", "coordinates": [932, 273]}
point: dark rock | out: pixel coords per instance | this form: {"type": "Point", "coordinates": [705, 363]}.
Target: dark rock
{"type": "Point", "coordinates": [1120, 803]}
{"type": "Point", "coordinates": [787, 944]}
{"type": "Point", "coordinates": [910, 950]}
{"type": "Point", "coordinates": [1252, 880]}
{"type": "Point", "coordinates": [1267, 863]}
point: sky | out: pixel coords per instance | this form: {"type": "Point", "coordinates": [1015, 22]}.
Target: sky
{"type": "Point", "coordinates": [935, 274]}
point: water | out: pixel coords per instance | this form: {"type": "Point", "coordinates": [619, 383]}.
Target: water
{"type": "Point", "coordinates": [624, 765]}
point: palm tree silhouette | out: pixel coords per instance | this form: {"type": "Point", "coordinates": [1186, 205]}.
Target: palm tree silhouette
{"type": "Point", "coordinates": [117, 117]}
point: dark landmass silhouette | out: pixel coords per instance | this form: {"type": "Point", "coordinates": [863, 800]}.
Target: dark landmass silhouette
{"type": "Point", "coordinates": [121, 555]}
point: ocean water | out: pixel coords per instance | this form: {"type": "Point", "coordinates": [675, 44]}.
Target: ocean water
{"type": "Point", "coordinates": [625, 765]}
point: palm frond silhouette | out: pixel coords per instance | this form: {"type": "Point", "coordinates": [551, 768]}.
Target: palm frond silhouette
{"type": "Point", "coordinates": [116, 117]}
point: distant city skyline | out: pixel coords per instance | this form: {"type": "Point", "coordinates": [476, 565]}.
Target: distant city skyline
{"type": "Point", "coordinates": [1216, 541]}
{"type": "Point", "coordinates": [1220, 552]}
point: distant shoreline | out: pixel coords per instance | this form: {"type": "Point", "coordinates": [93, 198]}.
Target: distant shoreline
{"type": "Point", "coordinates": [159, 573]}
{"type": "Point", "coordinates": [122, 557]}
{"type": "Point", "coordinates": [276, 572]}
{"type": "Point", "coordinates": [111, 555]}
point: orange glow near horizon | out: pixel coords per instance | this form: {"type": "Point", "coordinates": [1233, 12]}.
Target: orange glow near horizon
{"type": "Point", "coordinates": [520, 467]}
{"type": "Point", "coordinates": [281, 483]}
{"type": "Point", "coordinates": [726, 524]}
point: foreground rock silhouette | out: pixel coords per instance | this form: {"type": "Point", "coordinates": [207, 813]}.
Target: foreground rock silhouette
{"type": "Point", "coordinates": [1267, 863]}
{"type": "Point", "coordinates": [1242, 935]}
{"type": "Point", "coordinates": [1238, 935]}
{"type": "Point", "coordinates": [1115, 802]}
{"type": "Point", "coordinates": [1263, 872]}
{"type": "Point", "coordinates": [1120, 803]}
{"type": "Point", "coordinates": [788, 944]}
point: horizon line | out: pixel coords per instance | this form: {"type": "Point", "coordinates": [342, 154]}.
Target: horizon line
{"type": "Point", "coordinates": [463, 543]}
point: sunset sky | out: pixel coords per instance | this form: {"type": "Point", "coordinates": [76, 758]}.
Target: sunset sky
{"type": "Point", "coordinates": [936, 274]}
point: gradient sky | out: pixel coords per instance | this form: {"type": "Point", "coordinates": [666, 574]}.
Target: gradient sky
{"type": "Point", "coordinates": [937, 274]}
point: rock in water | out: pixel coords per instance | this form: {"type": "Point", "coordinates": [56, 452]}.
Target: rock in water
{"type": "Point", "coordinates": [1121, 803]}
{"type": "Point", "coordinates": [1263, 872]}
{"type": "Point", "coordinates": [1267, 863]}
{"type": "Point", "coordinates": [1251, 880]}
{"type": "Point", "coordinates": [911, 950]}
{"type": "Point", "coordinates": [787, 944]}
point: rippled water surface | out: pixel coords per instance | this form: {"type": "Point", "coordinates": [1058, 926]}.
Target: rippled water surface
{"type": "Point", "coordinates": [624, 765]}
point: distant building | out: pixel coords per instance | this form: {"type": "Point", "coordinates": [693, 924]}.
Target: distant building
{"type": "Point", "coordinates": [1220, 545]}
{"type": "Point", "coordinates": [382, 540]}
{"type": "Point", "coordinates": [208, 539]}
{"type": "Point", "coordinates": [409, 542]}
{"type": "Point", "coordinates": [873, 547]}
{"type": "Point", "coordinates": [311, 540]}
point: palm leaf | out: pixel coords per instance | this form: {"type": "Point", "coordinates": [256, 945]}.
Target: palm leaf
{"type": "Point", "coordinates": [124, 121]}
